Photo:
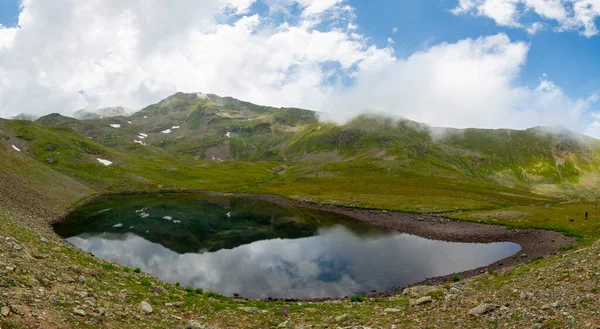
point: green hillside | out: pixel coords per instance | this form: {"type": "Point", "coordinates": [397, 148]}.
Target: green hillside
{"type": "Point", "coordinates": [198, 128]}
{"type": "Point", "coordinates": [540, 177]}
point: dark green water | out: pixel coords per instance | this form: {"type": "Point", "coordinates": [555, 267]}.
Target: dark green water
{"type": "Point", "coordinates": [258, 249]}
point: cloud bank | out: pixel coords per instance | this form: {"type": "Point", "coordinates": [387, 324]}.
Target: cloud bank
{"type": "Point", "coordinates": [68, 55]}
{"type": "Point", "coordinates": [564, 15]}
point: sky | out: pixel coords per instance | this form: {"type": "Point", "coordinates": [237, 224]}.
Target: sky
{"type": "Point", "coordinates": [450, 63]}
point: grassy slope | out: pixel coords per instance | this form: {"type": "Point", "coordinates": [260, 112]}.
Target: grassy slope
{"type": "Point", "coordinates": [37, 190]}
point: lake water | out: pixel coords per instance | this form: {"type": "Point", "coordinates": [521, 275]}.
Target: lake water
{"type": "Point", "coordinates": [257, 249]}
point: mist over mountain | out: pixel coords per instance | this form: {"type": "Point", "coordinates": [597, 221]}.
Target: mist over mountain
{"type": "Point", "coordinates": [106, 112]}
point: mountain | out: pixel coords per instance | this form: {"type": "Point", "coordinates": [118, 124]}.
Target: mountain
{"type": "Point", "coordinates": [106, 112]}
{"type": "Point", "coordinates": [25, 116]}
{"type": "Point", "coordinates": [200, 127]}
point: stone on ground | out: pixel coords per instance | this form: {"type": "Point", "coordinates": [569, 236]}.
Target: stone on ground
{"type": "Point", "coordinates": [144, 308]}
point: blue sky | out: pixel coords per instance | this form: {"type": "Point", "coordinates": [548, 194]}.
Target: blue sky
{"type": "Point", "coordinates": [559, 56]}
{"type": "Point", "coordinates": [569, 59]}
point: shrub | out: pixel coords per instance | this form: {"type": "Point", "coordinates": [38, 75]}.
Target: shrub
{"type": "Point", "coordinates": [137, 270]}
{"type": "Point", "coordinates": [146, 283]}
{"type": "Point", "coordinates": [565, 248]}
{"type": "Point", "coordinates": [357, 299]}
{"type": "Point", "coordinates": [456, 278]}
{"type": "Point", "coordinates": [213, 294]}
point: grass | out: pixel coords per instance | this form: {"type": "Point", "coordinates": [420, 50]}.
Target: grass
{"type": "Point", "coordinates": [551, 216]}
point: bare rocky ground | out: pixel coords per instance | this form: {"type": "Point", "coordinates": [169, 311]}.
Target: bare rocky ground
{"type": "Point", "coordinates": [47, 283]}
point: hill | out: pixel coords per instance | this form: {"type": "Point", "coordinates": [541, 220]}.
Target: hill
{"type": "Point", "coordinates": [199, 127]}
{"type": "Point", "coordinates": [535, 178]}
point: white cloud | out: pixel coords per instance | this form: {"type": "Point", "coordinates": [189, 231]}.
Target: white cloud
{"type": "Point", "coordinates": [503, 12]}
{"type": "Point", "coordinates": [87, 54]}
{"type": "Point", "coordinates": [472, 83]}
{"type": "Point", "coordinates": [568, 15]}
{"type": "Point", "coordinates": [535, 27]}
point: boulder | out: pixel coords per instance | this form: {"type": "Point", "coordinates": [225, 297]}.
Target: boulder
{"type": "Point", "coordinates": [482, 309]}
{"type": "Point", "coordinates": [144, 308]}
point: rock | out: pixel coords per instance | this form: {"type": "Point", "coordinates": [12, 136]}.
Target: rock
{"type": "Point", "coordinates": [68, 279]}
{"type": "Point", "coordinates": [81, 294]}
{"type": "Point", "coordinates": [17, 247]}
{"type": "Point", "coordinates": [40, 256]}
{"type": "Point", "coordinates": [420, 301]}
{"type": "Point", "coordinates": [455, 291]}
{"type": "Point", "coordinates": [546, 307]}
{"type": "Point", "coordinates": [526, 295]}
{"type": "Point", "coordinates": [5, 310]}
{"type": "Point", "coordinates": [250, 310]}
{"type": "Point", "coordinates": [193, 324]}
{"type": "Point", "coordinates": [392, 310]}
{"type": "Point", "coordinates": [44, 240]}
{"type": "Point", "coordinates": [286, 324]}
{"type": "Point", "coordinates": [31, 282]}
{"type": "Point", "coordinates": [559, 304]}
{"type": "Point", "coordinates": [344, 318]}
{"type": "Point", "coordinates": [537, 326]}
{"type": "Point", "coordinates": [78, 311]}
{"type": "Point", "coordinates": [482, 309]}
{"type": "Point", "coordinates": [420, 291]}
{"type": "Point", "coordinates": [450, 297]}
{"type": "Point", "coordinates": [17, 309]}
{"type": "Point", "coordinates": [144, 308]}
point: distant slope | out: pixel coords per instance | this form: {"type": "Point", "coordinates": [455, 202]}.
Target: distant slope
{"type": "Point", "coordinates": [200, 127]}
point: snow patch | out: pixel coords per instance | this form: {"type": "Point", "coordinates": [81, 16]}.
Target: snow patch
{"type": "Point", "coordinates": [16, 148]}
{"type": "Point", "coordinates": [140, 142]}
{"type": "Point", "coordinates": [115, 125]}
{"type": "Point", "coordinates": [118, 225]}
{"type": "Point", "coordinates": [168, 217]}
{"type": "Point", "coordinates": [176, 221]}
{"type": "Point", "coordinates": [168, 131]}
{"type": "Point", "coordinates": [129, 122]}
{"type": "Point", "coordinates": [144, 215]}
{"type": "Point", "coordinates": [175, 127]}
{"type": "Point", "coordinates": [104, 162]}
{"type": "Point", "coordinates": [145, 117]}
{"type": "Point", "coordinates": [228, 214]}
{"type": "Point", "coordinates": [228, 134]}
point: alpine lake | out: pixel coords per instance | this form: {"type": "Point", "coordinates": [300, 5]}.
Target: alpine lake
{"type": "Point", "coordinates": [258, 249]}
